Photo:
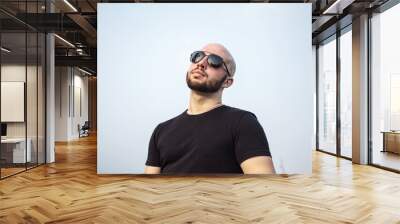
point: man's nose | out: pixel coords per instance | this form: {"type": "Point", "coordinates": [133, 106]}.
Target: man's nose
{"type": "Point", "coordinates": [202, 63]}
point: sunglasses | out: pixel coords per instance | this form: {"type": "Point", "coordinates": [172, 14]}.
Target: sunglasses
{"type": "Point", "coordinates": [213, 60]}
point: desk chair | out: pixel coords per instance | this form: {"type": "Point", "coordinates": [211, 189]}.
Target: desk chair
{"type": "Point", "coordinates": [84, 130]}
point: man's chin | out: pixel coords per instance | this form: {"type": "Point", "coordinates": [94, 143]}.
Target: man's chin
{"type": "Point", "coordinates": [196, 87]}
{"type": "Point", "coordinates": [201, 89]}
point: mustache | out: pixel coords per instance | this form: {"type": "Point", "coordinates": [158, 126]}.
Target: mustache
{"type": "Point", "coordinates": [199, 71]}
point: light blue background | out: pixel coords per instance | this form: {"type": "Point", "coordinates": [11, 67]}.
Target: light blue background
{"type": "Point", "coordinates": [143, 56]}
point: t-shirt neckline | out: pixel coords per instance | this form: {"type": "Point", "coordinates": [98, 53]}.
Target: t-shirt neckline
{"type": "Point", "coordinates": [204, 113]}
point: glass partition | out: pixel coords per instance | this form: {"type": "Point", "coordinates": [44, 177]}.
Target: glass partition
{"type": "Point", "coordinates": [22, 77]}
{"type": "Point", "coordinates": [13, 109]}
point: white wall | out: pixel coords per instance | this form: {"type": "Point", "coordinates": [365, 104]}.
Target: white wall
{"type": "Point", "coordinates": [61, 103]}
{"type": "Point", "coordinates": [143, 55]}
{"type": "Point", "coordinates": [68, 82]}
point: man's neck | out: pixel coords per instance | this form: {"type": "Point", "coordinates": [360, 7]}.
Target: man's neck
{"type": "Point", "coordinates": [203, 102]}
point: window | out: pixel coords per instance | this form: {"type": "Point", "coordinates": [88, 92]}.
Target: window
{"type": "Point", "coordinates": [346, 93]}
{"type": "Point", "coordinates": [385, 88]}
{"type": "Point", "coordinates": [327, 96]}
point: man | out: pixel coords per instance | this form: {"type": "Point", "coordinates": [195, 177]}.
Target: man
{"type": "Point", "coordinates": [209, 137]}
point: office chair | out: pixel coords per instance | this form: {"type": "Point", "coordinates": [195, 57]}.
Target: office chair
{"type": "Point", "coordinates": [84, 130]}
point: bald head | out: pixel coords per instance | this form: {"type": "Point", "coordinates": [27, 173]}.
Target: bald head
{"type": "Point", "coordinates": [222, 51]}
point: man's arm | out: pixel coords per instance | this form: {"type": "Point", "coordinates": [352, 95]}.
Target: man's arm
{"type": "Point", "coordinates": [152, 170]}
{"type": "Point", "coordinates": [251, 147]}
{"type": "Point", "coordinates": [258, 165]}
{"type": "Point", "coordinates": [153, 165]}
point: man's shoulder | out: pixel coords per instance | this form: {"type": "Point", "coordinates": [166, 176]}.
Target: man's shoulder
{"type": "Point", "coordinates": [170, 121]}
{"type": "Point", "coordinates": [238, 113]}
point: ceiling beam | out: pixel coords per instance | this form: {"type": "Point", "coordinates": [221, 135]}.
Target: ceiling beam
{"type": "Point", "coordinates": [85, 61]}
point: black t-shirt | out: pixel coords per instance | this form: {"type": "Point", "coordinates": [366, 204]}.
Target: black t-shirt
{"type": "Point", "coordinates": [216, 141]}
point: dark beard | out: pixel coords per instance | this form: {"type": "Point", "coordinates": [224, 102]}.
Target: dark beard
{"type": "Point", "coordinates": [206, 87]}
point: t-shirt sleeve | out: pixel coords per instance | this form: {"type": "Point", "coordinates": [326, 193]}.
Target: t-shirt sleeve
{"type": "Point", "coordinates": [250, 139]}
{"type": "Point", "coordinates": [153, 155]}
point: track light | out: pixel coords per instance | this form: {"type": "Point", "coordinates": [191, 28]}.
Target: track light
{"type": "Point", "coordinates": [5, 50]}
{"type": "Point", "coordinates": [70, 5]}
{"type": "Point", "coordinates": [338, 6]}
{"type": "Point", "coordinates": [64, 40]}
{"type": "Point", "coordinates": [84, 71]}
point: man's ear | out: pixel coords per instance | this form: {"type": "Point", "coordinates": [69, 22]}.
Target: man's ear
{"type": "Point", "coordinates": [228, 82]}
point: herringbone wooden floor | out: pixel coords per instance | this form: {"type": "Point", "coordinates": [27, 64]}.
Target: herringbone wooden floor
{"type": "Point", "coordinates": [70, 191]}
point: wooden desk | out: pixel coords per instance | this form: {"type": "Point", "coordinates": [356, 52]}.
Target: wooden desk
{"type": "Point", "coordinates": [391, 141]}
